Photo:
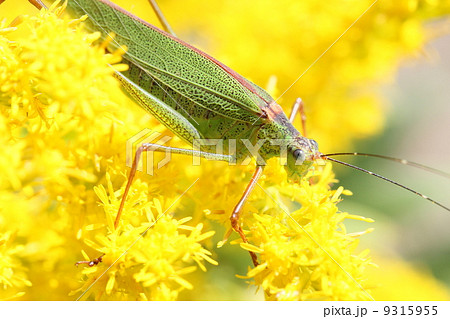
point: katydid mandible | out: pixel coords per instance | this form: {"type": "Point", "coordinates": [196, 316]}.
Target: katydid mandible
{"type": "Point", "coordinates": [199, 98]}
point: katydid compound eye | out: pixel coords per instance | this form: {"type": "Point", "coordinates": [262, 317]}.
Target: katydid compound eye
{"type": "Point", "coordinates": [299, 154]}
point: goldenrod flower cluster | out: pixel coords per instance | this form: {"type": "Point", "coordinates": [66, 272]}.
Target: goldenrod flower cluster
{"type": "Point", "coordinates": [64, 124]}
{"type": "Point", "coordinates": [62, 127]}
{"type": "Point", "coordinates": [307, 254]}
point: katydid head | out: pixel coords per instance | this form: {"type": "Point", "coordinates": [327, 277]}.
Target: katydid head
{"type": "Point", "coordinates": [301, 154]}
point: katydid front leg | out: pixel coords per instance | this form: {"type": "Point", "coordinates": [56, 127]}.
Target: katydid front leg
{"type": "Point", "coordinates": [298, 107]}
{"type": "Point", "coordinates": [234, 218]}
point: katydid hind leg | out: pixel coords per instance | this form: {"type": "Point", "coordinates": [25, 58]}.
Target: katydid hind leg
{"type": "Point", "coordinates": [167, 149]}
{"type": "Point", "coordinates": [235, 215]}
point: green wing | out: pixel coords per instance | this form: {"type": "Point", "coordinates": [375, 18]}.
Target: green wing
{"type": "Point", "coordinates": [173, 71]}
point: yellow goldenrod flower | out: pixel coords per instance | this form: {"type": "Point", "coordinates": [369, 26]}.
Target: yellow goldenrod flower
{"type": "Point", "coordinates": [64, 124]}
{"type": "Point", "coordinates": [146, 261]}
{"type": "Point", "coordinates": [13, 277]}
{"type": "Point", "coordinates": [306, 253]}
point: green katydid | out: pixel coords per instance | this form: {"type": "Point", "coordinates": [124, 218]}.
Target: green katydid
{"type": "Point", "coordinates": [199, 98]}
